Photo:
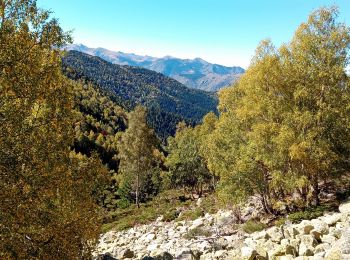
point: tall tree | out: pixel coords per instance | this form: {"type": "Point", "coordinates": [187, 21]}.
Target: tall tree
{"type": "Point", "coordinates": [187, 167]}
{"type": "Point", "coordinates": [285, 126]}
{"type": "Point", "coordinates": [47, 210]}
{"type": "Point", "coordinates": [137, 152]}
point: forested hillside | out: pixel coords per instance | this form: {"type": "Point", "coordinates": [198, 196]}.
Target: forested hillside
{"type": "Point", "coordinates": [194, 73]}
{"type": "Point", "coordinates": [167, 100]}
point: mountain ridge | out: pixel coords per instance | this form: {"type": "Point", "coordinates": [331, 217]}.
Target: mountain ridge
{"type": "Point", "coordinates": [194, 73]}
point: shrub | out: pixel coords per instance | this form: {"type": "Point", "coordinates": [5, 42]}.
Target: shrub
{"type": "Point", "coordinates": [309, 213]}
{"type": "Point", "coordinates": [280, 222]}
{"type": "Point", "coordinates": [170, 215]}
{"type": "Point", "coordinates": [191, 214]}
{"type": "Point", "coordinates": [123, 203]}
{"type": "Point", "coordinates": [252, 226]}
{"type": "Point", "coordinates": [197, 232]}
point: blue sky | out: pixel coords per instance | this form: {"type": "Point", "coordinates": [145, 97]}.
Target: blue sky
{"type": "Point", "coordinates": [220, 31]}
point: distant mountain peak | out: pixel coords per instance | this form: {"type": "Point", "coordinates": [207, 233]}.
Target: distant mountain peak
{"type": "Point", "coordinates": [195, 73]}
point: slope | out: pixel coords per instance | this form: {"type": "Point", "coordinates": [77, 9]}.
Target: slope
{"type": "Point", "coordinates": [167, 100]}
{"type": "Point", "coordinates": [196, 73]}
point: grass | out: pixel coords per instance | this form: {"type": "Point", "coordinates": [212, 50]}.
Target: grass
{"type": "Point", "coordinates": [165, 204]}
{"type": "Point", "coordinates": [252, 226]}
{"type": "Point", "coordinates": [197, 232]}
{"type": "Point", "coordinates": [190, 214]}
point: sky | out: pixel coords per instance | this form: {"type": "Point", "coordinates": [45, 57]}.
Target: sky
{"type": "Point", "coordinates": [225, 32]}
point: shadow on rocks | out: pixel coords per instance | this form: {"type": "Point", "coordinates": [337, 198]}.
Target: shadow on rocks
{"type": "Point", "coordinates": [164, 256]}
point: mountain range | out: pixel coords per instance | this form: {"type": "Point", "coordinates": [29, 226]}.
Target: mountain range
{"type": "Point", "coordinates": [167, 100]}
{"type": "Point", "coordinates": [194, 73]}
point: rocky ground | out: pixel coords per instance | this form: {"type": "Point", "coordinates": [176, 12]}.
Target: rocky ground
{"type": "Point", "coordinates": [214, 236]}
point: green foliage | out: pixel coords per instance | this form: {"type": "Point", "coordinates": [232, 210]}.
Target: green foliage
{"type": "Point", "coordinates": [123, 203]}
{"type": "Point", "coordinates": [167, 101]}
{"type": "Point", "coordinates": [47, 193]}
{"type": "Point", "coordinates": [197, 232]}
{"type": "Point", "coordinates": [252, 226]}
{"type": "Point", "coordinates": [309, 213]}
{"type": "Point", "coordinates": [187, 167]}
{"type": "Point", "coordinates": [170, 215]}
{"type": "Point", "coordinates": [284, 126]}
{"type": "Point", "coordinates": [138, 155]}
{"type": "Point", "coordinates": [191, 214]}
{"type": "Point", "coordinates": [280, 222]}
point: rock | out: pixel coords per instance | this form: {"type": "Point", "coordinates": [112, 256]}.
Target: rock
{"type": "Point", "coordinates": [340, 247]}
{"type": "Point", "coordinates": [320, 226]}
{"type": "Point", "coordinates": [336, 232]}
{"type": "Point", "coordinates": [290, 231]}
{"type": "Point", "coordinates": [220, 253]}
{"type": "Point", "coordinates": [150, 237]}
{"type": "Point", "coordinates": [328, 239]}
{"type": "Point", "coordinates": [248, 253]}
{"type": "Point", "coordinates": [263, 247]}
{"type": "Point", "coordinates": [317, 235]}
{"type": "Point", "coordinates": [331, 220]}
{"type": "Point", "coordinates": [345, 207]}
{"type": "Point", "coordinates": [128, 254]}
{"type": "Point", "coordinates": [307, 244]}
{"type": "Point", "coordinates": [275, 234]}
{"type": "Point", "coordinates": [322, 248]}
{"type": "Point", "coordinates": [152, 247]}
{"type": "Point", "coordinates": [305, 227]}
{"type": "Point", "coordinates": [197, 223]}
{"type": "Point", "coordinates": [183, 252]}
{"type": "Point", "coordinates": [308, 240]}
{"type": "Point", "coordinates": [260, 235]}
{"type": "Point", "coordinates": [199, 202]}
{"type": "Point", "coordinates": [164, 256]}
{"type": "Point", "coordinates": [285, 257]}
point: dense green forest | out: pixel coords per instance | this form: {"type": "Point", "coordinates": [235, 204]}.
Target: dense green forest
{"type": "Point", "coordinates": [81, 143]}
{"type": "Point", "coordinates": [167, 100]}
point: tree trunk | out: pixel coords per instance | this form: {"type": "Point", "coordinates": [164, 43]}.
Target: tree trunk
{"type": "Point", "coordinates": [266, 205]}
{"type": "Point", "coordinates": [315, 192]}
{"type": "Point", "coordinates": [138, 190]}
